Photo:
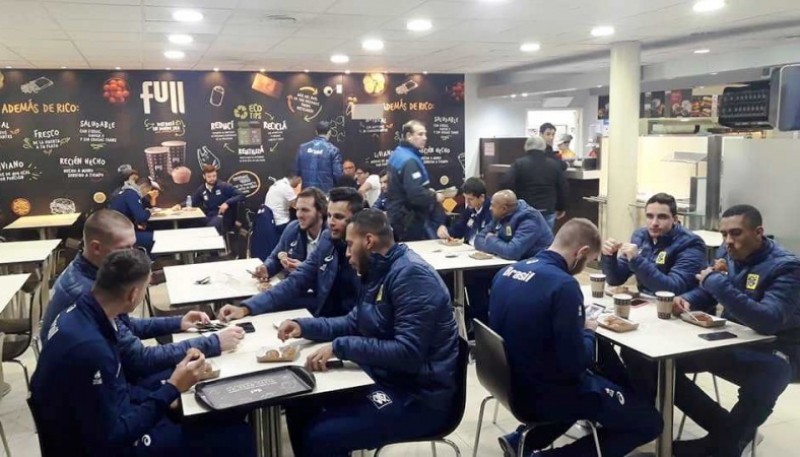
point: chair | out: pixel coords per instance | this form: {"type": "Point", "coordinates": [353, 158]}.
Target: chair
{"type": "Point", "coordinates": [3, 382]}
{"type": "Point", "coordinates": [494, 374]}
{"type": "Point", "coordinates": [456, 413]}
{"type": "Point", "coordinates": [24, 330]}
{"type": "Point", "coordinates": [263, 233]}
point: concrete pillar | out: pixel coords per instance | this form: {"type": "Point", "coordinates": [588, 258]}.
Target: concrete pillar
{"type": "Point", "coordinates": [622, 154]}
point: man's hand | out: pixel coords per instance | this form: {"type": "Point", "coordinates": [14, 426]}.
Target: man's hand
{"type": "Point", "coordinates": [188, 371]}
{"type": "Point", "coordinates": [290, 264]}
{"type": "Point", "coordinates": [680, 306]}
{"type": "Point", "coordinates": [490, 234]}
{"type": "Point", "coordinates": [439, 197]}
{"type": "Point", "coordinates": [628, 251]}
{"type": "Point", "coordinates": [591, 324]}
{"type": "Point", "coordinates": [230, 338]}
{"type": "Point", "coordinates": [261, 273]}
{"type": "Point", "coordinates": [610, 247]}
{"type": "Point", "coordinates": [704, 274]}
{"type": "Point", "coordinates": [231, 313]}
{"type": "Point", "coordinates": [560, 214]}
{"type": "Point", "coordinates": [442, 233]}
{"type": "Point", "coordinates": [222, 208]}
{"type": "Point", "coordinates": [316, 361]}
{"type": "Point", "coordinates": [193, 317]}
{"type": "Point", "coordinates": [289, 329]}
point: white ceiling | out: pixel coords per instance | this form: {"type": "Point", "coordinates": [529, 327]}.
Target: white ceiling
{"type": "Point", "coordinates": [467, 36]}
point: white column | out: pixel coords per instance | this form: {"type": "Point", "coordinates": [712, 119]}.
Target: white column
{"type": "Point", "coordinates": [622, 154]}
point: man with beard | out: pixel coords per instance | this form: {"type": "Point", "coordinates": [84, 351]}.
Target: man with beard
{"type": "Point", "coordinates": [537, 307]}
{"type": "Point", "coordinates": [402, 333]}
{"type": "Point", "coordinates": [218, 200]}
{"type": "Point", "coordinates": [326, 271]}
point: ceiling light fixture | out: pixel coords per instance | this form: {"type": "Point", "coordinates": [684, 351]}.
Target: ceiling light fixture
{"type": "Point", "coordinates": [117, 68]}
{"type": "Point", "coordinates": [419, 25]}
{"type": "Point", "coordinates": [216, 68]}
{"type": "Point", "coordinates": [714, 73]}
{"type": "Point", "coordinates": [340, 58]}
{"type": "Point", "coordinates": [513, 95]}
{"type": "Point", "coordinates": [524, 94]}
{"type": "Point", "coordinates": [306, 70]}
{"type": "Point", "coordinates": [372, 44]}
{"type": "Point", "coordinates": [347, 72]}
{"type": "Point", "coordinates": [706, 6]}
{"type": "Point", "coordinates": [174, 55]}
{"type": "Point", "coordinates": [262, 70]}
{"type": "Point", "coordinates": [9, 67]}
{"type": "Point", "coordinates": [187, 16]}
{"type": "Point", "coordinates": [180, 38]}
{"type": "Point", "coordinates": [63, 67]}
{"type": "Point", "coordinates": [425, 72]}
{"type": "Point", "coordinates": [602, 30]}
{"type": "Point", "coordinates": [702, 51]}
{"type": "Point", "coordinates": [530, 47]}
{"type": "Point", "coordinates": [168, 69]}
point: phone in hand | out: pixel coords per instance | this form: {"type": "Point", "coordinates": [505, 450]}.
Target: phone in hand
{"type": "Point", "coordinates": [247, 327]}
{"type": "Point", "coordinates": [716, 336]}
{"type": "Point", "coordinates": [334, 363]}
{"type": "Point", "coordinates": [594, 310]}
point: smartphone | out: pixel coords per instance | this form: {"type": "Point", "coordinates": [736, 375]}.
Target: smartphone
{"type": "Point", "coordinates": [334, 364]}
{"type": "Point", "coordinates": [638, 302]}
{"type": "Point", "coordinates": [594, 310]}
{"type": "Point", "coordinates": [716, 336]}
{"type": "Point", "coordinates": [247, 326]}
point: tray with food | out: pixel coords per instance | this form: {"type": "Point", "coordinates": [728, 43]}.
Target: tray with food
{"type": "Point", "coordinates": [611, 291]}
{"type": "Point", "coordinates": [702, 319]}
{"type": "Point", "coordinates": [453, 242]}
{"type": "Point", "coordinates": [616, 323]}
{"type": "Point", "coordinates": [288, 353]}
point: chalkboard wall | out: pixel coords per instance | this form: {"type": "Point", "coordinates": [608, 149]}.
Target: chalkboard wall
{"type": "Point", "coordinates": [63, 134]}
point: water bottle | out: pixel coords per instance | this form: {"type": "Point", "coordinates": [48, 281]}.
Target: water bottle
{"type": "Point", "coordinates": [188, 201]}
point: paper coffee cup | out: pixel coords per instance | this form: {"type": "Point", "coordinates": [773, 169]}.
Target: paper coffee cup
{"type": "Point", "coordinates": [664, 304]}
{"type": "Point", "coordinates": [598, 282]}
{"type": "Point", "coordinates": [622, 305]}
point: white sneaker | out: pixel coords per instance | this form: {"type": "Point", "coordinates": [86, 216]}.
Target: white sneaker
{"type": "Point", "coordinates": [748, 450]}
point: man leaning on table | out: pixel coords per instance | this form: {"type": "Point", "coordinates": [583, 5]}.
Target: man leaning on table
{"type": "Point", "coordinates": [104, 232]}
{"type": "Point", "coordinates": [82, 398]}
{"type": "Point", "coordinates": [663, 256]}
{"type": "Point", "coordinates": [757, 282]}
{"type": "Point", "coordinates": [402, 333]}
{"type": "Point", "coordinates": [326, 271]}
{"type": "Point", "coordinates": [517, 230]}
{"type": "Point", "coordinates": [217, 199]}
{"type": "Point", "coordinates": [537, 307]}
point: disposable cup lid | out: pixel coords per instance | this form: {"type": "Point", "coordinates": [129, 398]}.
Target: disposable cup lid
{"type": "Point", "coordinates": [623, 297]}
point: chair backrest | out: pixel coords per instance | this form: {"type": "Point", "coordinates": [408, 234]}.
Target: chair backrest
{"type": "Point", "coordinates": [491, 363]}
{"type": "Point", "coordinates": [264, 233]}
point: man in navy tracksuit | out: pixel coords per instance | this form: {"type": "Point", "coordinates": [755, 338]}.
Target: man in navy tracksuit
{"type": "Point", "coordinates": [758, 284]}
{"type": "Point", "coordinates": [411, 205]}
{"type": "Point", "coordinates": [517, 231]}
{"type": "Point", "coordinates": [326, 271]}
{"type": "Point", "coordinates": [382, 200]}
{"type": "Point", "coordinates": [80, 392]}
{"type": "Point", "coordinates": [402, 333]}
{"type": "Point", "coordinates": [664, 256]}
{"type": "Point", "coordinates": [318, 161]}
{"type": "Point", "coordinates": [106, 231]}
{"type": "Point", "coordinates": [537, 307]}
{"type": "Point", "coordinates": [218, 200]}
{"type": "Point", "coordinates": [129, 201]}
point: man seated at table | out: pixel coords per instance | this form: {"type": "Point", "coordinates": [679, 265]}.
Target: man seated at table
{"type": "Point", "coordinates": [550, 348]}
{"type": "Point", "coordinates": [517, 231]}
{"type": "Point", "coordinates": [130, 201]}
{"type": "Point", "coordinates": [82, 398]}
{"type": "Point", "coordinates": [475, 215]}
{"type": "Point", "coordinates": [218, 200]}
{"type": "Point", "coordinates": [380, 203]}
{"type": "Point", "coordinates": [326, 271]}
{"type": "Point", "coordinates": [758, 284]}
{"type": "Point", "coordinates": [663, 256]}
{"type": "Point", "coordinates": [402, 333]}
{"type": "Point", "coordinates": [104, 232]}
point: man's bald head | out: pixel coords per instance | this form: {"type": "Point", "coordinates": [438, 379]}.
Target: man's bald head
{"type": "Point", "coordinates": [504, 202]}
{"type": "Point", "coordinates": [106, 231]}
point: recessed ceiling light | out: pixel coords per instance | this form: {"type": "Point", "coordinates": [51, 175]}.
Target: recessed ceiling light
{"type": "Point", "coordinates": [216, 68]}
{"type": "Point", "coordinates": [180, 38]}
{"type": "Point", "coordinates": [513, 95]}
{"type": "Point", "coordinates": [424, 72]}
{"type": "Point", "coordinates": [714, 74]}
{"type": "Point", "coordinates": [372, 44]}
{"type": "Point", "coordinates": [702, 51]}
{"type": "Point", "coordinates": [599, 86]}
{"type": "Point", "coordinates": [524, 94]}
{"type": "Point", "coordinates": [602, 30]}
{"type": "Point", "coordinates": [340, 58]}
{"type": "Point", "coordinates": [419, 25]}
{"type": "Point", "coordinates": [187, 16]}
{"type": "Point", "coordinates": [9, 67]}
{"type": "Point", "coordinates": [306, 70]}
{"type": "Point", "coordinates": [174, 55]}
{"type": "Point", "coordinates": [347, 72]}
{"type": "Point", "coordinates": [63, 67]}
{"type": "Point", "coordinates": [262, 70]}
{"type": "Point", "coordinates": [705, 6]}
{"type": "Point", "coordinates": [168, 69]}
{"type": "Point", "coordinates": [530, 47]}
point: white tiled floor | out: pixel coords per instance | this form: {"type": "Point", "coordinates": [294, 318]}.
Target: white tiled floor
{"type": "Point", "coordinates": [780, 430]}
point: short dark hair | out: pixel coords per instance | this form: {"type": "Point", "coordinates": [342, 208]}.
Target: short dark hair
{"type": "Point", "coordinates": [320, 200]}
{"type": "Point", "coordinates": [545, 127]}
{"type": "Point", "coordinates": [122, 269]}
{"type": "Point", "coordinates": [664, 199]}
{"type": "Point", "coordinates": [323, 127]}
{"type": "Point", "coordinates": [408, 127]}
{"type": "Point", "coordinates": [364, 168]}
{"type": "Point", "coordinates": [101, 224]}
{"type": "Point", "coordinates": [373, 221]}
{"type": "Point", "coordinates": [355, 201]}
{"type": "Point", "coordinates": [384, 172]}
{"type": "Point", "coordinates": [207, 168]}
{"type": "Point", "coordinates": [474, 186]}
{"type": "Point", "coordinates": [750, 215]}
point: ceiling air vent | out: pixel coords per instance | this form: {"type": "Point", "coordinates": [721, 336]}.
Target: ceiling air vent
{"type": "Point", "coordinates": [279, 18]}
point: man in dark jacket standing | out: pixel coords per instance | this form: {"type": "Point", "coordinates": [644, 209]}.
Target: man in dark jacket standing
{"type": "Point", "coordinates": [411, 204]}
{"type": "Point", "coordinates": [218, 200]}
{"type": "Point", "coordinates": [318, 161]}
{"type": "Point", "coordinates": [758, 284]}
{"type": "Point", "coordinates": [538, 178]}
{"type": "Point", "coordinates": [402, 333]}
{"type": "Point", "coordinates": [516, 232]}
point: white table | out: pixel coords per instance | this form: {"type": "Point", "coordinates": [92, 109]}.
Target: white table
{"type": "Point", "coordinates": [186, 247]}
{"type": "Point", "coordinates": [243, 360]}
{"type": "Point", "coordinates": [186, 233]}
{"type": "Point", "coordinates": [456, 259]}
{"type": "Point", "coordinates": [712, 240]}
{"type": "Point", "coordinates": [9, 286]}
{"type": "Point", "coordinates": [44, 224]}
{"type": "Point", "coordinates": [175, 216]}
{"type": "Point", "coordinates": [228, 280]}
{"type": "Point", "coordinates": [663, 341]}
{"type": "Point", "coordinates": [15, 254]}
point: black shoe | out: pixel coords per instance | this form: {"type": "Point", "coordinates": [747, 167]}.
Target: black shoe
{"type": "Point", "coordinates": [702, 447]}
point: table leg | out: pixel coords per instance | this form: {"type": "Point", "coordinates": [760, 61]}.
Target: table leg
{"type": "Point", "coordinates": [175, 224]}
{"type": "Point", "coordinates": [665, 403]}
{"type": "Point", "coordinates": [187, 258]}
{"type": "Point", "coordinates": [459, 299]}
{"type": "Point", "coordinates": [42, 233]}
{"type": "Point", "coordinates": [266, 423]}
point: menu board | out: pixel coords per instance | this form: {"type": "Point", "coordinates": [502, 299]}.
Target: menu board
{"type": "Point", "coordinates": [65, 133]}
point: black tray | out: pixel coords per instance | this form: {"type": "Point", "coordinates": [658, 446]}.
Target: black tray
{"type": "Point", "coordinates": [258, 389]}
